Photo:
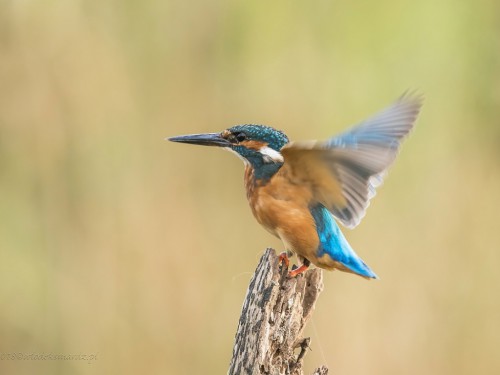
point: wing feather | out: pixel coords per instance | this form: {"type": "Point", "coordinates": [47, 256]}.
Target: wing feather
{"type": "Point", "coordinates": [344, 171]}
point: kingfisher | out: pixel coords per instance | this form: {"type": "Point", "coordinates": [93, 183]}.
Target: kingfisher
{"type": "Point", "coordinates": [297, 190]}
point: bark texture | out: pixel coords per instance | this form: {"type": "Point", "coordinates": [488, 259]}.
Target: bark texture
{"type": "Point", "coordinates": [275, 311]}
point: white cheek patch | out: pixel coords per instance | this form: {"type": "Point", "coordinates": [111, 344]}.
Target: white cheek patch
{"type": "Point", "coordinates": [270, 155]}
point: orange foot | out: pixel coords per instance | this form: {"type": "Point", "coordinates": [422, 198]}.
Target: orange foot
{"type": "Point", "coordinates": [298, 271]}
{"type": "Point", "coordinates": [284, 259]}
{"type": "Point", "coordinates": [305, 265]}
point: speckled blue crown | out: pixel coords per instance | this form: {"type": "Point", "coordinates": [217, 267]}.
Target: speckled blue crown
{"type": "Point", "coordinates": [275, 139]}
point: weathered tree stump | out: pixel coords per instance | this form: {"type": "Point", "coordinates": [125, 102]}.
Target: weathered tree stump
{"type": "Point", "coordinates": [275, 311]}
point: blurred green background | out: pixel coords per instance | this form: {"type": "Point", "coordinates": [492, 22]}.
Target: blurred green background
{"type": "Point", "coordinates": [116, 243]}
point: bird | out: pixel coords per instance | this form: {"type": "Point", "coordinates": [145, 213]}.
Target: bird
{"type": "Point", "coordinates": [299, 190]}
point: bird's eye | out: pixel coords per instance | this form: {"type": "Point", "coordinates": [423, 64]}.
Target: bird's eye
{"type": "Point", "coordinates": [240, 137]}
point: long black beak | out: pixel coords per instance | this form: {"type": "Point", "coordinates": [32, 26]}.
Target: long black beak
{"type": "Point", "coordinates": [209, 139]}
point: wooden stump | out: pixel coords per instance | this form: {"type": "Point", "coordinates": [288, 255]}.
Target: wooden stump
{"type": "Point", "coordinates": [275, 311]}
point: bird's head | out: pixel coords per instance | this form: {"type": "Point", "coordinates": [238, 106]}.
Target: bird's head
{"type": "Point", "coordinates": [257, 145]}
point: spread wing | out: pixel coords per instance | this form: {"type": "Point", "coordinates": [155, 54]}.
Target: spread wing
{"type": "Point", "coordinates": [344, 171]}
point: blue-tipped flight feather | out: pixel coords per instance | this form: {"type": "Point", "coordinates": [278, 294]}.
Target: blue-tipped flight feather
{"type": "Point", "coordinates": [356, 159]}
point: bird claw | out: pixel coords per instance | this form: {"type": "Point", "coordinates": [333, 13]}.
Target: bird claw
{"type": "Point", "coordinates": [283, 258]}
{"type": "Point", "coordinates": [297, 271]}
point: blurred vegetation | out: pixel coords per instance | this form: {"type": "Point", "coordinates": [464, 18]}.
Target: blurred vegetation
{"type": "Point", "coordinates": [114, 242]}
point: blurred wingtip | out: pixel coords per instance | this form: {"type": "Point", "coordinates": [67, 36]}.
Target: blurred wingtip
{"type": "Point", "coordinates": [415, 96]}
{"type": "Point", "coordinates": [411, 101]}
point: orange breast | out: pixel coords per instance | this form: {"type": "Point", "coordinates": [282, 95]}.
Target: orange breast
{"type": "Point", "coordinates": [282, 208]}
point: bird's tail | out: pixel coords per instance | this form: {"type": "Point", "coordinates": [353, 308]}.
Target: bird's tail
{"type": "Point", "coordinates": [334, 244]}
{"type": "Point", "coordinates": [356, 265]}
